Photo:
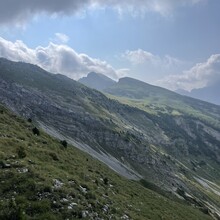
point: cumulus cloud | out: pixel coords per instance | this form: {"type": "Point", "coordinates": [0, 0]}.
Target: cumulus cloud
{"type": "Point", "coordinates": [139, 57]}
{"type": "Point", "coordinates": [142, 57]}
{"type": "Point", "coordinates": [150, 67]}
{"type": "Point", "coordinates": [61, 38]}
{"type": "Point", "coordinates": [201, 75]}
{"type": "Point", "coordinates": [18, 12]}
{"type": "Point", "coordinates": [57, 59]}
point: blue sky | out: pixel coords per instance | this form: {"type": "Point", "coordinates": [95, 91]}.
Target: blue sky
{"type": "Point", "coordinates": [170, 43]}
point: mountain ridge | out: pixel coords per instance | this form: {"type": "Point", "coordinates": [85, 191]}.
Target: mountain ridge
{"type": "Point", "coordinates": [98, 81]}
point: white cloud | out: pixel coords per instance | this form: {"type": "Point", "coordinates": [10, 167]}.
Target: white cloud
{"type": "Point", "coordinates": [57, 59]}
{"type": "Point", "coordinates": [123, 72]}
{"type": "Point", "coordinates": [61, 38]}
{"type": "Point", "coordinates": [199, 76]}
{"type": "Point", "coordinates": [19, 12]}
{"type": "Point", "coordinates": [142, 57]}
{"type": "Point", "coordinates": [16, 51]}
{"type": "Point", "coordinates": [149, 67]}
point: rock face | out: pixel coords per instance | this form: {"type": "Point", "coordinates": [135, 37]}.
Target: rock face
{"type": "Point", "coordinates": [118, 136]}
{"type": "Point", "coordinates": [166, 149]}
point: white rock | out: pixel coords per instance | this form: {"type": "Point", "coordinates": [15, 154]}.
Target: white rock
{"type": "Point", "coordinates": [57, 184]}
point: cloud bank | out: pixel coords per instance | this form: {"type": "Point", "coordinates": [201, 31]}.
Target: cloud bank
{"type": "Point", "coordinates": [58, 59]}
{"type": "Point", "coordinates": [19, 12]}
{"type": "Point", "coordinates": [201, 75]}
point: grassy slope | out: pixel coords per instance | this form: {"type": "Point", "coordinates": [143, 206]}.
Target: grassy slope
{"type": "Point", "coordinates": [154, 100]}
{"type": "Point", "coordinates": [32, 195]}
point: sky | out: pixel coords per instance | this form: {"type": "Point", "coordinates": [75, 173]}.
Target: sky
{"type": "Point", "coordinates": [170, 43]}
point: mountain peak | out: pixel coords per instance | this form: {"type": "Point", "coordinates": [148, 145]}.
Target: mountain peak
{"type": "Point", "coordinates": [129, 80]}
{"type": "Point", "coordinates": [97, 81]}
{"type": "Point", "coordinates": [94, 74]}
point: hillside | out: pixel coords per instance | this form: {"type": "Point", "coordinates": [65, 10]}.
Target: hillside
{"type": "Point", "coordinates": [154, 99]}
{"type": "Point", "coordinates": [42, 179]}
{"type": "Point", "coordinates": [156, 135]}
{"type": "Point", "coordinates": [97, 81]}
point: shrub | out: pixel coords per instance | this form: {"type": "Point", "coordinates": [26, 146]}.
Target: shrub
{"type": "Point", "coordinates": [54, 156]}
{"type": "Point", "coordinates": [39, 207]}
{"type": "Point", "coordinates": [64, 143]}
{"type": "Point", "coordinates": [47, 188]}
{"type": "Point", "coordinates": [105, 181]}
{"type": "Point", "coordinates": [21, 152]}
{"type": "Point", "coordinates": [9, 211]}
{"type": "Point", "coordinates": [29, 120]}
{"type": "Point", "coordinates": [36, 131]}
{"type": "Point", "coordinates": [91, 196]}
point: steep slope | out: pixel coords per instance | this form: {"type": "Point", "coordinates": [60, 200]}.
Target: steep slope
{"type": "Point", "coordinates": [180, 117]}
{"type": "Point", "coordinates": [42, 179]}
{"type": "Point", "coordinates": [97, 81]}
{"type": "Point", "coordinates": [170, 140]}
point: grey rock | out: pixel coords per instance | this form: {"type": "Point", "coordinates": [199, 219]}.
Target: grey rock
{"type": "Point", "coordinates": [57, 184]}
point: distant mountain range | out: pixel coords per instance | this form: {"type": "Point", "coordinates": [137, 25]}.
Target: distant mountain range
{"type": "Point", "coordinates": [209, 93]}
{"type": "Point", "coordinates": [103, 83]}
{"type": "Point", "coordinates": [140, 131]}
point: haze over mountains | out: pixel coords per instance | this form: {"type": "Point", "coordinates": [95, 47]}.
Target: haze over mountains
{"type": "Point", "coordinates": [209, 93]}
{"type": "Point", "coordinates": [103, 83]}
{"type": "Point", "coordinates": [139, 130]}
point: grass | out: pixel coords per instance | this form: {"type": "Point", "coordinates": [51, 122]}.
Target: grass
{"type": "Point", "coordinates": [175, 106]}
{"type": "Point", "coordinates": [42, 179]}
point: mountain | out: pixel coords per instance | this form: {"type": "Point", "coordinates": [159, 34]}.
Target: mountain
{"type": "Point", "coordinates": [97, 81]}
{"type": "Point", "coordinates": [136, 89]}
{"type": "Point", "coordinates": [154, 99]}
{"type": "Point", "coordinates": [209, 93]}
{"type": "Point", "coordinates": [139, 130]}
{"type": "Point", "coordinates": [43, 179]}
